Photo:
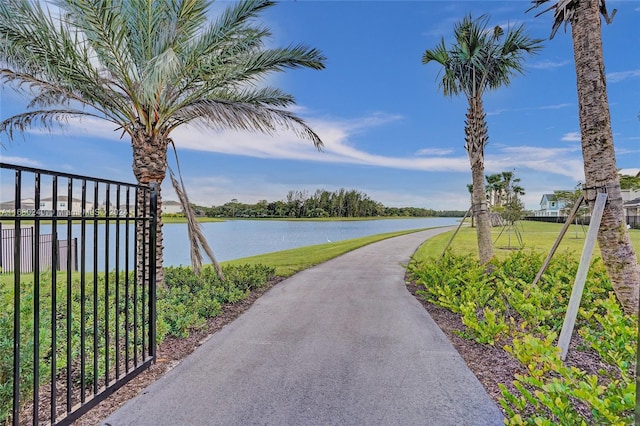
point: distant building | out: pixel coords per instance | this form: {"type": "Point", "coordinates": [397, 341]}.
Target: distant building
{"type": "Point", "coordinates": [46, 207]}
{"type": "Point", "coordinates": [550, 205]}
{"type": "Point", "coordinates": [64, 206]}
{"type": "Point", "coordinates": [629, 172]}
{"type": "Point", "coordinates": [171, 207]}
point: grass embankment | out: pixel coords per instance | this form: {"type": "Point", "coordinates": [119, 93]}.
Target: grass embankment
{"type": "Point", "coordinates": [182, 219]}
{"type": "Point", "coordinates": [501, 311]}
{"type": "Point", "coordinates": [288, 262]}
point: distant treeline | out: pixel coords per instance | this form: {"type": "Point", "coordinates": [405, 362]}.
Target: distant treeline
{"type": "Point", "coordinates": [341, 203]}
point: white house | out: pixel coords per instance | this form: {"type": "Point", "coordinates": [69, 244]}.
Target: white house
{"type": "Point", "coordinates": [550, 205]}
{"type": "Point", "coordinates": [64, 206]}
{"type": "Point", "coordinates": [171, 207]}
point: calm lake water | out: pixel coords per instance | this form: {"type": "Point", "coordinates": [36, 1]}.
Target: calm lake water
{"type": "Point", "coordinates": [235, 239]}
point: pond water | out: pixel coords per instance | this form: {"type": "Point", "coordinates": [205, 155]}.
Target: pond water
{"type": "Point", "coordinates": [234, 239]}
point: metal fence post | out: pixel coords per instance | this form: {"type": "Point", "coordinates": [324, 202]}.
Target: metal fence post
{"type": "Point", "coordinates": [153, 223]}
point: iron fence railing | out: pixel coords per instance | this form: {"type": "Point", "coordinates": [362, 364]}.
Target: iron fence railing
{"type": "Point", "coordinates": [632, 221]}
{"type": "Point", "coordinates": [81, 321]}
{"type": "Point", "coordinates": [28, 245]}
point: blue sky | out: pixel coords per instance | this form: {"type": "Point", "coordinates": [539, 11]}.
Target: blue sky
{"type": "Point", "coordinates": [388, 130]}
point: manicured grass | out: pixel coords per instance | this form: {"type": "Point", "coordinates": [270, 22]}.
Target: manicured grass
{"type": "Point", "coordinates": [175, 219]}
{"type": "Point", "coordinates": [537, 236]}
{"type": "Point", "coordinates": [289, 262]}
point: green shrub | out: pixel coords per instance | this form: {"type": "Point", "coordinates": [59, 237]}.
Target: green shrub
{"type": "Point", "coordinates": [190, 299]}
{"type": "Point", "coordinates": [185, 305]}
{"type": "Point", "coordinates": [503, 306]}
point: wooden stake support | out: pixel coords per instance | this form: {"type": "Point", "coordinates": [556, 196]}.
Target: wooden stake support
{"type": "Point", "coordinates": [581, 275]}
{"type": "Point", "coordinates": [573, 213]}
{"type": "Point", "coordinates": [455, 233]}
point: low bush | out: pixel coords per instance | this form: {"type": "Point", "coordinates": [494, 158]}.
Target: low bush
{"type": "Point", "coordinates": [189, 299]}
{"type": "Point", "coordinates": [184, 305]}
{"type": "Point", "coordinates": [501, 307]}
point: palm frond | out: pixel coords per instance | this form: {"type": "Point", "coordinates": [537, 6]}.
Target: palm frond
{"type": "Point", "coordinates": [229, 115]}
{"type": "Point", "coordinates": [440, 54]}
{"type": "Point", "coordinates": [102, 24]}
{"type": "Point", "coordinates": [279, 59]}
{"type": "Point", "coordinates": [564, 12]}
{"type": "Point", "coordinates": [48, 119]}
{"type": "Point", "coordinates": [45, 57]}
{"type": "Point", "coordinates": [196, 237]}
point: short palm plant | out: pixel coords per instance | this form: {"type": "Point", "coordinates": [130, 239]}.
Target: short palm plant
{"type": "Point", "coordinates": [147, 68]}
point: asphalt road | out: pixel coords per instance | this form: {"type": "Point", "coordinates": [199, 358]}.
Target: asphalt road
{"type": "Point", "coordinates": [342, 343]}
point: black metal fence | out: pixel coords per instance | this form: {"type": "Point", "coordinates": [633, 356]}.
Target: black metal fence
{"type": "Point", "coordinates": [81, 322]}
{"type": "Point", "coordinates": [632, 221]}
{"type": "Point", "coordinates": [28, 245]}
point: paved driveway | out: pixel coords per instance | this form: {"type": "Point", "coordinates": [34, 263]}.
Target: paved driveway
{"type": "Point", "coordinates": [342, 343]}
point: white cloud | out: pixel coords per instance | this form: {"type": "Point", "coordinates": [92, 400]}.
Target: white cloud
{"type": "Point", "coordinates": [337, 145]}
{"type": "Point", "coordinates": [559, 161]}
{"type": "Point", "coordinates": [571, 137]}
{"type": "Point", "coordinates": [626, 151]}
{"type": "Point", "coordinates": [85, 126]}
{"type": "Point", "coordinates": [549, 64]}
{"type": "Point", "coordinates": [217, 190]}
{"type": "Point", "coordinates": [434, 151]}
{"type": "Point", "coordinates": [555, 106]}
{"type": "Point", "coordinates": [616, 77]}
{"type": "Point", "coordinates": [543, 107]}
{"type": "Point", "coordinates": [20, 161]}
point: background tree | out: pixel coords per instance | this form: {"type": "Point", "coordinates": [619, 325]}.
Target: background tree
{"type": "Point", "coordinates": [147, 68]}
{"type": "Point", "coordinates": [507, 192]}
{"type": "Point", "coordinates": [629, 182]}
{"type": "Point", "coordinates": [570, 199]}
{"type": "Point", "coordinates": [493, 188]}
{"type": "Point", "coordinates": [597, 140]}
{"type": "Point", "coordinates": [481, 59]}
{"type": "Point", "coordinates": [503, 188]}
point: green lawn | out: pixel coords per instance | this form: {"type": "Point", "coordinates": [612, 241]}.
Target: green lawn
{"type": "Point", "coordinates": [538, 236]}
{"type": "Point", "coordinates": [182, 219]}
{"type": "Point", "coordinates": [289, 262]}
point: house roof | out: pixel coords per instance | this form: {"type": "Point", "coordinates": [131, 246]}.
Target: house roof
{"type": "Point", "coordinates": [61, 198]}
{"type": "Point", "coordinates": [629, 172]}
{"type": "Point", "coordinates": [632, 203]}
{"type": "Point", "coordinates": [549, 197]}
{"type": "Point", "coordinates": [23, 202]}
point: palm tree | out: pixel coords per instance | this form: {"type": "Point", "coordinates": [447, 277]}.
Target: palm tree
{"type": "Point", "coordinates": [493, 188]}
{"type": "Point", "coordinates": [597, 141]}
{"type": "Point", "coordinates": [148, 68]}
{"type": "Point", "coordinates": [480, 60]}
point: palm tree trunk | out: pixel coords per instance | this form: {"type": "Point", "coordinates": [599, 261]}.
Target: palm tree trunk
{"type": "Point", "coordinates": [476, 138]}
{"type": "Point", "coordinates": [599, 155]}
{"type": "Point", "coordinates": [150, 165]}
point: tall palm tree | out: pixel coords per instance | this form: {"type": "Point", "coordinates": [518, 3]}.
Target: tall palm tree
{"type": "Point", "coordinates": [480, 60]}
{"type": "Point", "coordinates": [597, 141]}
{"type": "Point", "coordinates": [147, 67]}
